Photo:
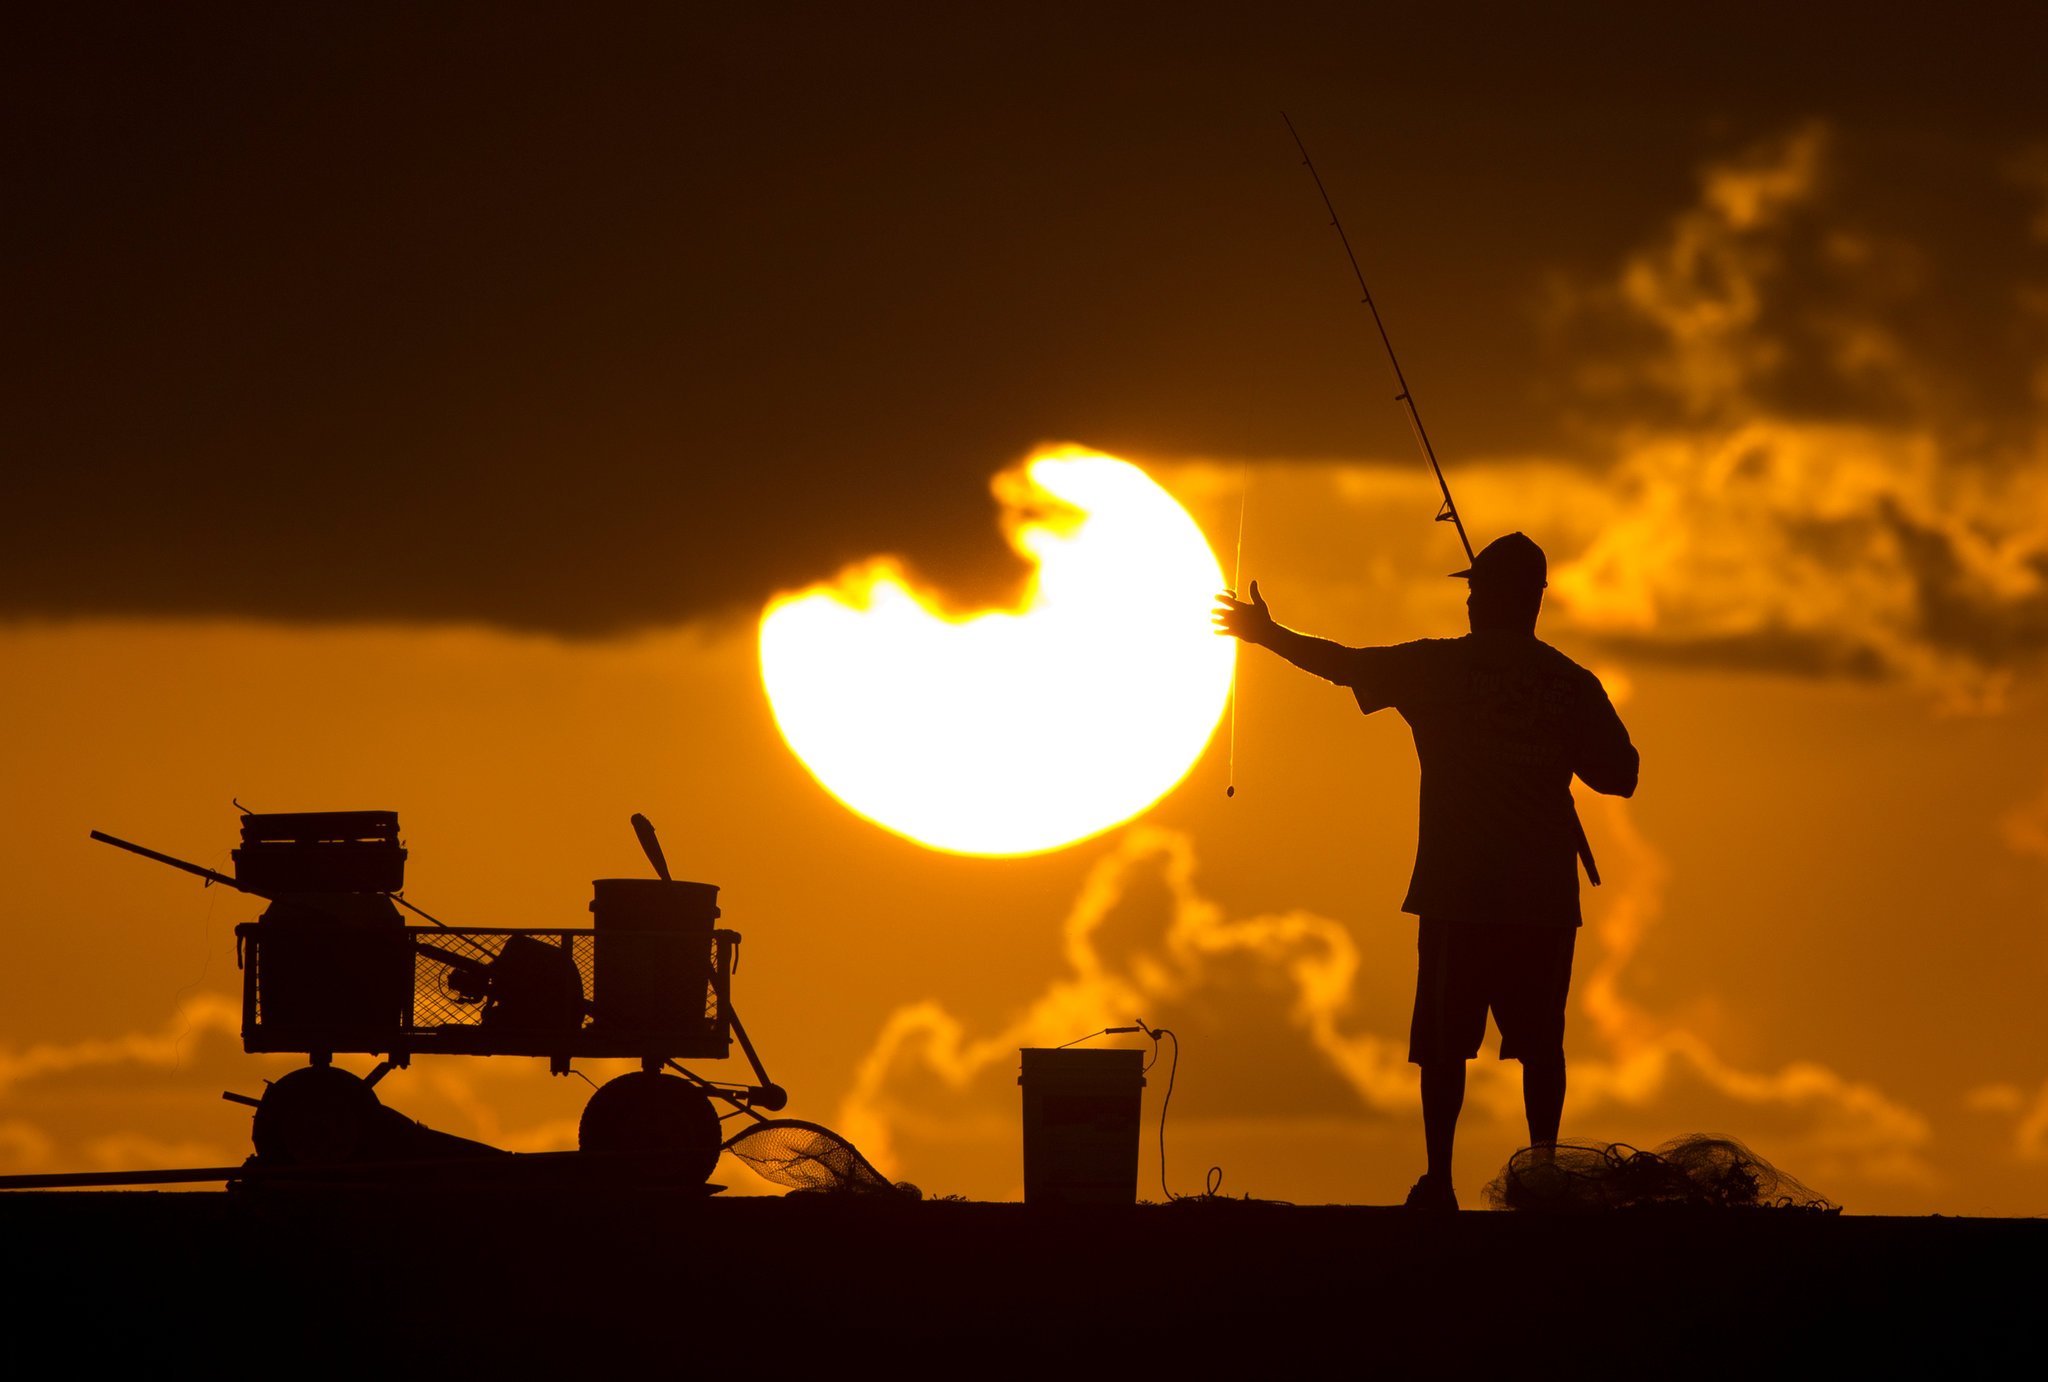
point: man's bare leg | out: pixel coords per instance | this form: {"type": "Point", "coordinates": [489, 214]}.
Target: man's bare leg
{"type": "Point", "coordinates": [1542, 1100]}
{"type": "Point", "coordinates": [1443, 1096]}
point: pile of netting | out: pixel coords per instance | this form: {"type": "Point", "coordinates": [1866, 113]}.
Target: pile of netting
{"type": "Point", "coordinates": [812, 1160]}
{"type": "Point", "coordinates": [1692, 1172]}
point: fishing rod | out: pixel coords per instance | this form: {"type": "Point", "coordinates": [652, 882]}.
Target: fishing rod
{"type": "Point", "coordinates": [1448, 513]}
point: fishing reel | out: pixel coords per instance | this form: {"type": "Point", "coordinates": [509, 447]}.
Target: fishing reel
{"type": "Point", "coordinates": [528, 986]}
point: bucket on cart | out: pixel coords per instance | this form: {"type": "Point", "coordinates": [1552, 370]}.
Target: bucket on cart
{"type": "Point", "coordinates": [333, 972]}
{"type": "Point", "coordinates": [1081, 1110]}
{"type": "Point", "coordinates": [652, 972]}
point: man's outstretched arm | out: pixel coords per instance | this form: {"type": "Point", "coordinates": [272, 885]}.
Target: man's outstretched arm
{"type": "Point", "coordinates": [1254, 623]}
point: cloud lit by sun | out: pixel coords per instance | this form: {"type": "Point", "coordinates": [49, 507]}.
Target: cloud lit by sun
{"type": "Point", "coordinates": [1014, 731]}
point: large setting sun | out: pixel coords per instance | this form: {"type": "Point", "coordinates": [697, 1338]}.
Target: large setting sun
{"type": "Point", "coordinates": [1013, 731]}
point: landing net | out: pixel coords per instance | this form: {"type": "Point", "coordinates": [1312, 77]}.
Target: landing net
{"type": "Point", "coordinates": [806, 1157]}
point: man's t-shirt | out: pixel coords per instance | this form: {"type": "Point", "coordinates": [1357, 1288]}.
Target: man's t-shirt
{"type": "Point", "coordinates": [1502, 722]}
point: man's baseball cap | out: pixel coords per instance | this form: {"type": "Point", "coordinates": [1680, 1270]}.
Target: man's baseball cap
{"type": "Point", "coordinates": [1509, 561]}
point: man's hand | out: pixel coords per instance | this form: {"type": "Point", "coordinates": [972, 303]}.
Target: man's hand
{"type": "Point", "coordinates": [1252, 622]}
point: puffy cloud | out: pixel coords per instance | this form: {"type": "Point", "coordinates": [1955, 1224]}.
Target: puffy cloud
{"type": "Point", "coordinates": [1820, 549]}
{"type": "Point", "coordinates": [2031, 1135]}
{"type": "Point", "coordinates": [1833, 1125]}
{"type": "Point", "coordinates": [142, 1100]}
{"type": "Point", "coordinates": [1176, 961]}
{"type": "Point", "coordinates": [1800, 482]}
{"type": "Point", "coordinates": [1703, 288]}
{"type": "Point", "coordinates": [201, 1015]}
{"type": "Point", "coordinates": [2027, 1112]}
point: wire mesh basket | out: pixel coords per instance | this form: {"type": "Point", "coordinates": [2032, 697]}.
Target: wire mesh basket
{"type": "Point", "coordinates": [406, 990]}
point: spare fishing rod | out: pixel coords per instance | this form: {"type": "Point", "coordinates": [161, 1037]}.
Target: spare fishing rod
{"type": "Point", "coordinates": [1448, 513]}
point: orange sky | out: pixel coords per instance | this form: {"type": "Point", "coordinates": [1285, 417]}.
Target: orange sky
{"type": "Point", "coordinates": [473, 391]}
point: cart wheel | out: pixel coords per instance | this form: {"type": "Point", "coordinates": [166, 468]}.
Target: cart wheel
{"type": "Point", "coordinates": [316, 1116]}
{"type": "Point", "coordinates": [647, 1112]}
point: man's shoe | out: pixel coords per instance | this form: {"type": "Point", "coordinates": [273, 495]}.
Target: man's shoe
{"type": "Point", "coordinates": [1431, 1193]}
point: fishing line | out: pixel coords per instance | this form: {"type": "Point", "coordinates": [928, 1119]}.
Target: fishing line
{"type": "Point", "coordinates": [1244, 484]}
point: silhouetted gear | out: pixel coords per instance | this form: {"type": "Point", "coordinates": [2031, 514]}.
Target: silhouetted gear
{"type": "Point", "coordinates": [651, 1114]}
{"type": "Point", "coordinates": [809, 1158]}
{"type": "Point", "coordinates": [1697, 1171]}
{"type": "Point", "coordinates": [316, 1116]}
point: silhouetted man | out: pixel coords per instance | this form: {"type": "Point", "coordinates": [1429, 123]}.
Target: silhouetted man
{"type": "Point", "coordinates": [1502, 721]}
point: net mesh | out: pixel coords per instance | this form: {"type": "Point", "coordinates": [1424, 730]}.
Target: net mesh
{"type": "Point", "coordinates": [1695, 1171]}
{"type": "Point", "coordinates": [806, 1157]}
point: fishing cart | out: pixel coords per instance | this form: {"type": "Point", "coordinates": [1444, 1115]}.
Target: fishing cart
{"type": "Point", "coordinates": [333, 967]}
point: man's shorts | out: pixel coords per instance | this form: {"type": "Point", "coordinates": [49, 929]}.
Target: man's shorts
{"type": "Point", "coordinates": [1521, 973]}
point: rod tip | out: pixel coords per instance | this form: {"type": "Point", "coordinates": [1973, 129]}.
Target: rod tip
{"type": "Point", "coordinates": [1230, 791]}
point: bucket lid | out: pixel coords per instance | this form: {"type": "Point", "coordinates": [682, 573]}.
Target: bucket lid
{"type": "Point", "coordinates": [635, 902]}
{"type": "Point", "coordinates": [1102, 1065]}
